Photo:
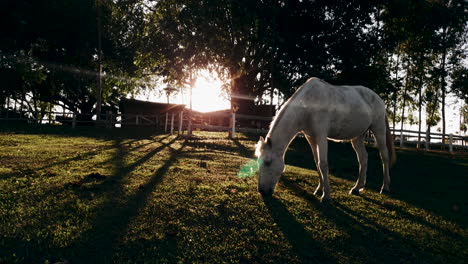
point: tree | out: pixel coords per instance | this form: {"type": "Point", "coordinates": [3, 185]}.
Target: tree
{"type": "Point", "coordinates": [464, 118]}
{"type": "Point", "coordinates": [59, 39]}
{"type": "Point", "coordinates": [258, 45]}
{"type": "Point", "coordinates": [460, 83]}
{"type": "Point", "coordinates": [460, 88]}
{"type": "Point", "coordinates": [407, 25]}
{"type": "Point", "coordinates": [450, 22]}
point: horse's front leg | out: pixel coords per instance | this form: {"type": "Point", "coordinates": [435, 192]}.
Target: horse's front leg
{"type": "Point", "coordinates": [313, 146]}
{"type": "Point", "coordinates": [322, 150]}
{"type": "Point", "coordinates": [360, 149]}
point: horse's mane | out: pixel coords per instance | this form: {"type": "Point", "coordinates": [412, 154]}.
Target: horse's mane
{"type": "Point", "coordinates": [280, 113]}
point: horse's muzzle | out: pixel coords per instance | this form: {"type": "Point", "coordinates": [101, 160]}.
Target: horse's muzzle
{"type": "Point", "coordinates": [265, 192]}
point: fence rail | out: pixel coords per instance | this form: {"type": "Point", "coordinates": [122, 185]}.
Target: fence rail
{"type": "Point", "coordinates": [171, 121]}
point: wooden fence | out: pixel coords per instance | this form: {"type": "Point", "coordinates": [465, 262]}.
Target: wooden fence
{"type": "Point", "coordinates": [169, 122]}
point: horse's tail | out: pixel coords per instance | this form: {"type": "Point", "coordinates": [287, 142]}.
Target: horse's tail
{"type": "Point", "coordinates": [390, 145]}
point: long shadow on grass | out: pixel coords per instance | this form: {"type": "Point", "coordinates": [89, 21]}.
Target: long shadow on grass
{"type": "Point", "coordinates": [414, 218]}
{"type": "Point", "coordinates": [436, 183]}
{"type": "Point", "coordinates": [118, 159]}
{"type": "Point", "coordinates": [376, 242]}
{"type": "Point", "coordinates": [83, 131]}
{"type": "Point", "coordinates": [86, 155]}
{"type": "Point", "coordinates": [306, 248]}
{"type": "Point", "coordinates": [79, 156]}
{"type": "Point", "coordinates": [243, 151]}
{"type": "Point", "coordinates": [433, 182]}
{"type": "Point", "coordinates": [101, 243]}
{"type": "Point", "coordinates": [212, 146]}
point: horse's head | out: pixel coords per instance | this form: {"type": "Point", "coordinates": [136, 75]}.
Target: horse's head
{"type": "Point", "coordinates": [270, 166]}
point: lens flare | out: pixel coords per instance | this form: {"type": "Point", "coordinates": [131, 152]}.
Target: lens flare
{"type": "Point", "coordinates": [248, 169]}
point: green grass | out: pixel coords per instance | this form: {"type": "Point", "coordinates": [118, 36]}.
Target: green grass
{"type": "Point", "coordinates": [163, 199]}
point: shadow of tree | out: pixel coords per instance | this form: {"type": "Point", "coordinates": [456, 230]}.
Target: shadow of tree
{"type": "Point", "coordinates": [243, 151]}
{"type": "Point", "coordinates": [436, 183]}
{"type": "Point", "coordinates": [85, 131]}
{"type": "Point", "coordinates": [306, 248]}
{"type": "Point", "coordinates": [387, 246]}
{"type": "Point", "coordinates": [414, 218]}
{"type": "Point", "coordinates": [100, 242]}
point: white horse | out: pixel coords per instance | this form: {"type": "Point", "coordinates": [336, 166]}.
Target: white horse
{"type": "Point", "coordinates": [323, 111]}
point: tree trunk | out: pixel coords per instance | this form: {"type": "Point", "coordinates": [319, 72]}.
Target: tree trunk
{"type": "Point", "coordinates": [99, 81]}
{"type": "Point", "coordinates": [404, 104]}
{"type": "Point", "coordinates": [21, 105]}
{"type": "Point", "coordinates": [395, 97]}
{"type": "Point", "coordinates": [189, 116]}
{"type": "Point", "coordinates": [272, 94]}
{"type": "Point", "coordinates": [420, 102]}
{"type": "Point", "coordinates": [430, 117]}
{"type": "Point", "coordinates": [419, 112]}
{"type": "Point", "coordinates": [394, 114]}
{"type": "Point", "coordinates": [442, 88]}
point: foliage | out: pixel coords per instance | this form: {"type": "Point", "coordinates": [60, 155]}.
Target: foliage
{"type": "Point", "coordinates": [48, 49]}
{"type": "Point", "coordinates": [464, 118]}
{"type": "Point", "coordinates": [57, 41]}
{"type": "Point", "coordinates": [263, 44]}
{"type": "Point", "coordinates": [460, 83]}
{"type": "Point", "coordinates": [428, 37]}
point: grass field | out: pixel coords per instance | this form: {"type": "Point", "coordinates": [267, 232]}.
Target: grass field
{"type": "Point", "coordinates": [97, 196]}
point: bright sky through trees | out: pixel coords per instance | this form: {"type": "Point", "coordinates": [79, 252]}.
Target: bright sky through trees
{"type": "Point", "coordinates": [207, 94]}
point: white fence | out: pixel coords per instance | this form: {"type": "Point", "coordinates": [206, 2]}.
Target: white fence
{"type": "Point", "coordinates": [232, 123]}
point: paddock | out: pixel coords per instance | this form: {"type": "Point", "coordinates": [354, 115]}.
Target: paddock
{"type": "Point", "coordinates": [94, 196]}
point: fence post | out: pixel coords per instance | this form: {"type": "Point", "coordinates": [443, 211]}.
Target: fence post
{"type": "Point", "coordinates": [418, 145]}
{"type": "Point", "coordinates": [165, 125]}
{"type": "Point", "coordinates": [49, 114]}
{"type": "Point", "coordinates": [428, 138]}
{"type": "Point", "coordinates": [451, 142]}
{"type": "Point", "coordinates": [74, 120]}
{"type": "Point", "coordinates": [233, 131]}
{"type": "Point", "coordinates": [7, 109]}
{"type": "Point", "coordinates": [110, 118]}
{"type": "Point", "coordinates": [181, 116]}
{"type": "Point", "coordinates": [107, 119]}
{"type": "Point", "coordinates": [401, 138]}
{"type": "Point", "coordinates": [189, 125]}
{"type": "Point", "coordinates": [172, 123]}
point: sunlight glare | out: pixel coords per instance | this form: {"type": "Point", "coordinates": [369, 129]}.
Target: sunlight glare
{"type": "Point", "coordinates": [249, 169]}
{"type": "Point", "coordinates": [207, 93]}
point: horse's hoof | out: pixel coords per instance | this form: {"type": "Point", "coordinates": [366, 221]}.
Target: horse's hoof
{"type": "Point", "coordinates": [385, 192]}
{"type": "Point", "coordinates": [318, 192]}
{"type": "Point", "coordinates": [326, 200]}
{"type": "Point", "coordinates": [354, 192]}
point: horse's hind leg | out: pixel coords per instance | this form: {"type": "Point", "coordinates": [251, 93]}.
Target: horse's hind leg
{"type": "Point", "coordinates": [379, 135]}
{"type": "Point", "coordinates": [313, 146]}
{"type": "Point", "coordinates": [360, 149]}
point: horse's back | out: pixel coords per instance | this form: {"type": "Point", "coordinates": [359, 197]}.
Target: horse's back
{"type": "Point", "coordinates": [344, 112]}
{"type": "Point", "coordinates": [343, 95]}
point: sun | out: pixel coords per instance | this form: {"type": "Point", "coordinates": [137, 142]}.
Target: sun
{"type": "Point", "coordinates": [207, 93]}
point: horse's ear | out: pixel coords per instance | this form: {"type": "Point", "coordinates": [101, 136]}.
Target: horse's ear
{"type": "Point", "coordinates": [259, 146]}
